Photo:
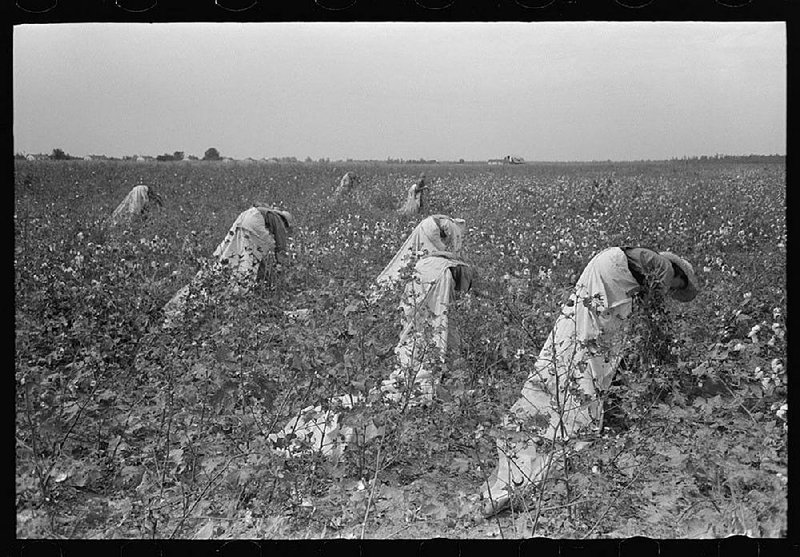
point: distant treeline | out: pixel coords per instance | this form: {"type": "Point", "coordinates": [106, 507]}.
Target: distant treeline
{"type": "Point", "coordinates": [734, 158]}
{"type": "Point", "coordinates": [390, 160]}
{"type": "Point", "coordinates": [213, 155]}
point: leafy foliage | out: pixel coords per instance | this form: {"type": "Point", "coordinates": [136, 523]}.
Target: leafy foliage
{"type": "Point", "coordinates": [125, 429]}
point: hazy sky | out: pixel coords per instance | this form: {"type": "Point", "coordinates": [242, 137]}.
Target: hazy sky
{"type": "Point", "coordinates": [543, 91]}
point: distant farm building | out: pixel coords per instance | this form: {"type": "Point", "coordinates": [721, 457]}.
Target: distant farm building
{"type": "Point", "coordinates": [30, 157]}
{"type": "Point", "coordinates": [508, 159]}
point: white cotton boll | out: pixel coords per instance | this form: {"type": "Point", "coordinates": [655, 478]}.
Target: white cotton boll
{"type": "Point", "coordinates": [777, 366]}
{"type": "Point", "coordinates": [759, 372]}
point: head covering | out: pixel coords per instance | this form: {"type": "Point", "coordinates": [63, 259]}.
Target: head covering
{"type": "Point", "coordinates": [689, 292]}
{"type": "Point", "coordinates": [276, 225]}
{"type": "Point", "coordinates": [453, 231]}
{"type": "Point", "coordinates": [426, 237]}
{"type": "Point", "coordinates": [286, 215]}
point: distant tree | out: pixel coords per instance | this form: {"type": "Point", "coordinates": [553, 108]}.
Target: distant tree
{"type": "Point", "coordinates": [59, 155]}
{"type": "Point", "coordinates": [309, 159]}
{"type": "Point", "coordinates": [19, 156]}
{"type": "Point", "coordinates": [193, 158]}
{"type": "Point", "coordinates": [177, 156]}
{"type": "Point", "coordinates": [211, 154]}
{"type": "Point", "coordinates": [461, 161]}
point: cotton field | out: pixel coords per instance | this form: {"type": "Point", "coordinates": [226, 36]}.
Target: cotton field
{"type": "Point", "coordinates": [127, 430]}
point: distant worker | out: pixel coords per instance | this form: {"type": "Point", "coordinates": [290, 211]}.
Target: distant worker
{"type": "Point", "coordinates": [598, 198]}
{"type": "Point", "coordinates": [347, 184]}
{"type": "Point", "coordinates": [255, 234]}
{"type": "Point", "coordinates": [415, 201]}
{"type": "Point", "coordinates": [137, 202]}
{"type": "Point", "coordinates": [562, 397]}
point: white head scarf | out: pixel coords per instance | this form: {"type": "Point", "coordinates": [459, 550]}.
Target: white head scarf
{"type": "Point", "coordinates": [433, 233]}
